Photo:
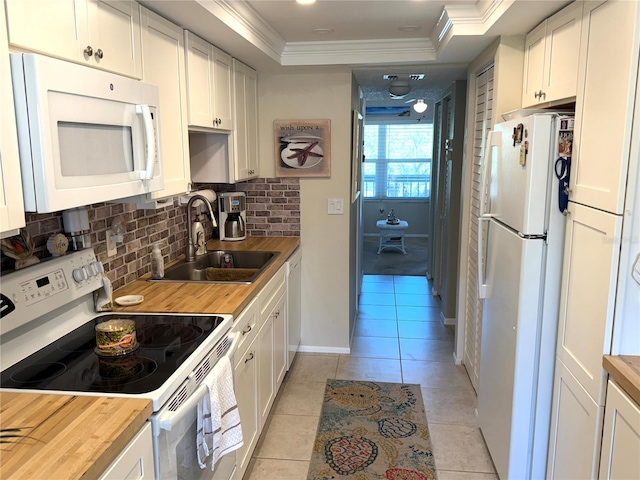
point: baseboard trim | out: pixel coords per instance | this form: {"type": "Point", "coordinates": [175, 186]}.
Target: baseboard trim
{"type": "Point", "coordinates": [318, 349]}
{"type": "Point", "coordinates": [447, 320]}
{"type": "Point", "coordinates": [457, 360]}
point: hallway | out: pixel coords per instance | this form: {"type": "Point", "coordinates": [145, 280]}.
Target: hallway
{"type": "Point", "coordinates": [398, 338]}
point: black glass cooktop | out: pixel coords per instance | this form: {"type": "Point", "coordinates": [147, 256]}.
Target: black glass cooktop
{"type": "Point", "coordinates": [71, 363]}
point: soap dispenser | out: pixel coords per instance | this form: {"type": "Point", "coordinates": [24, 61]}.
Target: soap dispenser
{"type": "Point", "coordinates": [197, 233]}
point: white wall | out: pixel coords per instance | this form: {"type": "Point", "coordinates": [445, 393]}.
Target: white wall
{"type": "Point", "coordinates": [304, 94]}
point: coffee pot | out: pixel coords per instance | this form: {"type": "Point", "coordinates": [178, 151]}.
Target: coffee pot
{"type": "Point", "coordinates": [232, 212]}
{"type": "Point", "coordinates": [234, 226]}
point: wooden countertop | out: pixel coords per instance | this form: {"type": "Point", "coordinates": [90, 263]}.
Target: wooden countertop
{"type": "Point", "coordinates": [210, 298]}
{"type": "Point", "coordinates": [66, 437]}
{"type": "Point", "coordinates": [625, 371]}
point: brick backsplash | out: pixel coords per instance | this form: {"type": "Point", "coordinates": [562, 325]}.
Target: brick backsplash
{"type": "Point", "coordinates": [273, 209]}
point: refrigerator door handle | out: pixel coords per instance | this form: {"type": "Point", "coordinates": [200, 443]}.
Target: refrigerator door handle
{"type": "Point", "coordinates": [494, 139]}
{"type": "Point", "coordinates": [484, 289]}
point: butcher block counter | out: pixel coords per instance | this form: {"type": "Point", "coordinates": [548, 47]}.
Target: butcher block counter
{"type": "Point", "coordinates": [66, 437]}
{"type": "Point", "coordinates": [208, 298]}
{"type": "Point", "coordinates": [625, 371]}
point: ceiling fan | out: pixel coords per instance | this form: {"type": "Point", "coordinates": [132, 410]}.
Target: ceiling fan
{"type": "Point", "coordinates": [399, 85]}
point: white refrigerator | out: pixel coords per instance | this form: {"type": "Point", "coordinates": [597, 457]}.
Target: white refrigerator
{"type": "Point", "coordinates": [521, 234]}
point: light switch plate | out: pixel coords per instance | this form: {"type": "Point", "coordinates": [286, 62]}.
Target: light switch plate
{"type": "Point", "coordinates": [335, 206]}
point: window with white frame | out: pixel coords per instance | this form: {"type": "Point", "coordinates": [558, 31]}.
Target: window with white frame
{"type": "Point", "coordinates": [397, 161]}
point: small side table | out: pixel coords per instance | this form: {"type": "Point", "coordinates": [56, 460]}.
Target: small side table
{"type": "Point", "coordinates": [392, 236]}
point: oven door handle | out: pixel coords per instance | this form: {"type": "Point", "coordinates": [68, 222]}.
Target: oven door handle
{"type": "Point", "coordinates": [167, 419]}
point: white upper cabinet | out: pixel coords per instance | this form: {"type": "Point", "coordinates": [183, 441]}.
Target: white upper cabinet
{"type": "Point", "coordinates": [99, 33]}
{"type": "Point", "coordinates": [164, 66]}
{"type": "Point", "coordinates": [245, 81]}
{"type": "Point", "coordinates": [604, 107]}
{"type": "Point", "coordinates": [209, 88]}
{"type": "Point", "coordinates": [551, 58]}
{"type": "Point", "coordinates": [11, 205]}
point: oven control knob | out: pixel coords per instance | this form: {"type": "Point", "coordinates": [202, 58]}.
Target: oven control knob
{"type": "Point", "coordinates": [91, 270]}
{"type": "Point", "coordinates": [79, 274]}
{"type": "Point", "coordinates": [98, 266]}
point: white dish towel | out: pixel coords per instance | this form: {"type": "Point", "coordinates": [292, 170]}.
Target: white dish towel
{"type": "Point", "coordinates": [219, 429]}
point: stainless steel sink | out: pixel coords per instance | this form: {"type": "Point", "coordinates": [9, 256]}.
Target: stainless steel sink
{"type": "Point", "coordinates": [213, 267]}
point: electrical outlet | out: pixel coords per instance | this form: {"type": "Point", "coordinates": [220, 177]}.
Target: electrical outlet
{"type": "Point", "coordinates": [112, 248]}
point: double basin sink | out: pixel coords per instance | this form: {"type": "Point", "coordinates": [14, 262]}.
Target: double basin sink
{"type": "Point", "coordinates": [221, 266]}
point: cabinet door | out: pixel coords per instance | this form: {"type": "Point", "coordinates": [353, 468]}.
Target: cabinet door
{"type": "Point", "coordinates": [266, 378]}
{"type": "Point", "coordinates": [534, 49]}
{"type": "Point", "coordinates": [199, 81]}
{"type": "Point", "coordinates": [11, 205]}
{"type": "Point", "coordinates": [164, 66]}
{"type": "Point", "coordinates": [604, 104]}
{"type": "Point", "coordinates": [280, 340]}
{"type": "Point", "coordinates": [621, 437]}
{"type": "Point", "coordinates": [55, 28]}
{"type": "Point", "coordinates": [576, 429]}
{"type": "Point", "coordinates": [247, 325]}
{"type": "Point", "coordinates": [209, 85]}
{"type": "Point", "coordinates": [136, 460]}
{"type": "Point", "coordinates": [245, 383]}
{"type": "Point", "coordinates": [222, 90]}
{"type": "Point", "coordinates": [587, 301]}
{"type": "Point", "coordinates": [246, 121]}
{"type": "Point", "coordinates": [561, 54]}
{"type": "Point", "coordinates": [114, 31]}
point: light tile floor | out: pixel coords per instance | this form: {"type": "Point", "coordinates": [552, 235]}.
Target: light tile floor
{"type": "Point", "coordinates": [398, 338]}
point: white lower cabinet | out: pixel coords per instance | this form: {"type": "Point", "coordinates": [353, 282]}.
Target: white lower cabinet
{"type": "Point", "coordinates": [266, 375]}
{"type": "Point", "coordinates": [576, 428]}
{"type": "Point", "coordinates": [280, 349]}
{"type": "Point", "coordinates": [620, 459]}
{"type": "Point", "coordinates": [135, 461]}
{"type": "Point", "coordinates": [260, 362]}
{"type": "Point", "coordinates": [245, 384]}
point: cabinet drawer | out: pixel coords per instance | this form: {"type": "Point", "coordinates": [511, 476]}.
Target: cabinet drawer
{"type": "Point", "coordinates": [247, 325]}
{"type": "Point", "coordinates": [269, 295]}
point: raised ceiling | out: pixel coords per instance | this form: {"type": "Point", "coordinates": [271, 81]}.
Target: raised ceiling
{"type": "Point", "coordinates": [374, 37]}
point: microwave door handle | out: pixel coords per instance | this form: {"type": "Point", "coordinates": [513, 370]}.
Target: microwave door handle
{"type": "Point", "coordinates": [167, 419]}
{"type": "Point", "coordinates": [150, 138]}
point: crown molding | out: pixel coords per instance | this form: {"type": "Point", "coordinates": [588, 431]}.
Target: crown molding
{"type": "Point", "coordinates": [242, 19]}
{"type": "Point", "coordinates": [369, 52]}
{"type": "Point", "coordinates": [467, 19]}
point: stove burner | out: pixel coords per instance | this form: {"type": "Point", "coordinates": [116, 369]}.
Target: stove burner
{"type": "Point", "coordinates": [118, 371]}
{"type": "Point", "coordinates": [160, 335]}
{"type": "Point", "coordinates": [79, 344]}
{"type": "Point", "coordinates": [39, 372]}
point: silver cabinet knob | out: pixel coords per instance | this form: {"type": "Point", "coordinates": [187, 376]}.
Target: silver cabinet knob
{"type": "Point", "coordinates": [88, 51]}
{"type": "Point", "coordinates": [99, 54]}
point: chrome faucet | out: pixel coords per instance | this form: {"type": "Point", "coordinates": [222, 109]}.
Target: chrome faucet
{"type": "Point", "coordinates": [191, 251]}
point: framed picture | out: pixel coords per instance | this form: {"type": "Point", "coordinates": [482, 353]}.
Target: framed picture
{"type": "Point", "coordinates": [302, 148]}
{"type": "Point", "coordinates": [357, 142]}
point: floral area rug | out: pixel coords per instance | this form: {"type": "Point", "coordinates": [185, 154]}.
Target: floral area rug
{"type": "Point", "coordinates": [372, 430]}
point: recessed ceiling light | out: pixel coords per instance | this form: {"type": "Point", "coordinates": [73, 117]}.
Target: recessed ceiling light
{"type": "Point", "coordinates": [322, 31]}
{"type": "Point", "coordinates": [305, 2]}
{"type": "Point", "coordinates": [409, 28]}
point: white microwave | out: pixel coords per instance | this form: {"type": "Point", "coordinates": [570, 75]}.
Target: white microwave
{"type": "Point", "coordinates": [84, 135]}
